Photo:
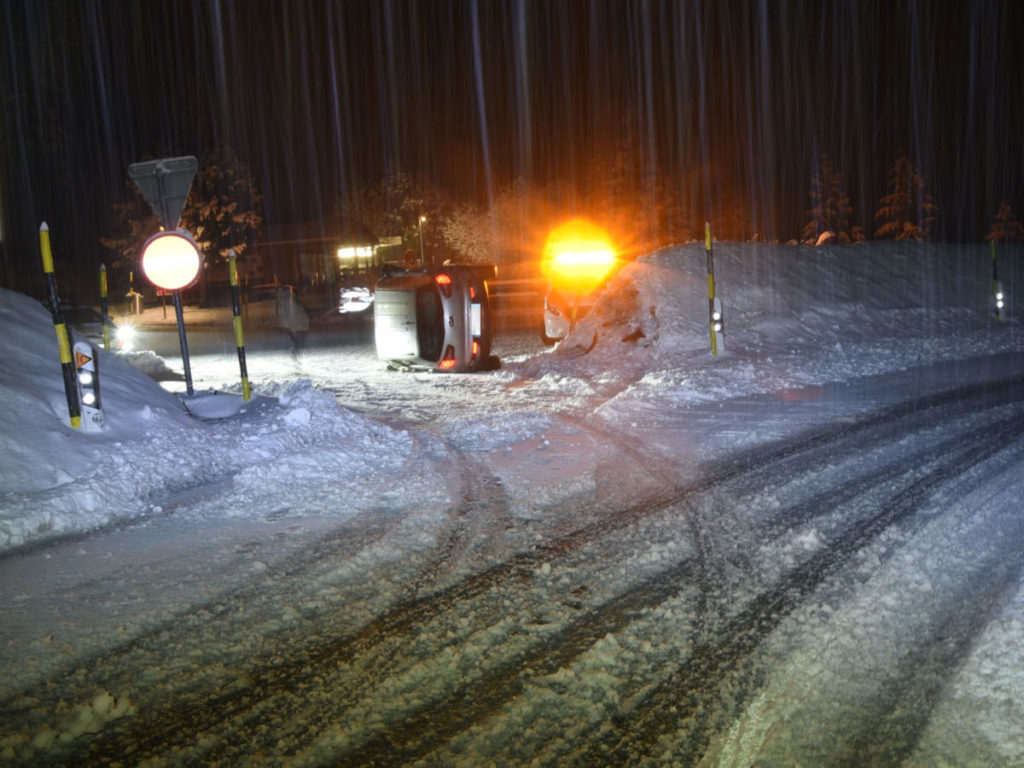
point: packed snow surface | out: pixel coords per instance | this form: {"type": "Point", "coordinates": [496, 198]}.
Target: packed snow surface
{"type": "Point", "coordinates": [632, 400]}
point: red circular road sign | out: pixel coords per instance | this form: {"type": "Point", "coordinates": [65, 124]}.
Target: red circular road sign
{"type": "Point", "coordinates": [171, 260]}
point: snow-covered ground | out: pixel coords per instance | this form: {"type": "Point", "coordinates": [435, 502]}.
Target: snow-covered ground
{"type": "Point", "coordinates": [834, 446]}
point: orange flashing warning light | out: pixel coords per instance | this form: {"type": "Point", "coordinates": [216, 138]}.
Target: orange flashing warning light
{"type": "Point", "coordinates": [443, 279]}
{"type": "Point", "coordinates": [579, 254]}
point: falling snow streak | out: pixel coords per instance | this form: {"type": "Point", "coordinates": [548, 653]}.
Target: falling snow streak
{"type": "Point", "coordinates": [728, 104]}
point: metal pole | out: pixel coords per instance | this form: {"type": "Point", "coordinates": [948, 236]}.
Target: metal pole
{"type": "Point", "coordinates": [165, 214]}
{"type": "Point", "coordinates": [184, 342]}
{"type": "Point", "coordinates": [423, 254]}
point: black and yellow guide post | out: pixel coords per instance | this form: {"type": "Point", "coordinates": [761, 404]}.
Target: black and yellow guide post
{"type": "Point", "coordinates": [67, 367]}
{"type": "Point", "coordinates": [715, 319]}
{"type": "Point", "coordinates": [997, 287]}
{"type": "Point", "coordinates": [103, 306]}
{"type": "Point", "coordinates": [236, 309]}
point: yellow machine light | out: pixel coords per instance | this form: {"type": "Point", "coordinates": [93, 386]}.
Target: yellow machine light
{"type": "Point", "coordinates": [589, 255]}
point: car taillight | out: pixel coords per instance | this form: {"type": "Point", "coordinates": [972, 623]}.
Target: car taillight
{"type": "Point", "coordinates": [448, 361]}
{"type": "Point", "coordinates": [445, 282]}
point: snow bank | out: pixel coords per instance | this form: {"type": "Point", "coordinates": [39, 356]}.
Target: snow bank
{"type": "Point", "coordinates": [796, 318]}
{"type": "Point", "coordinates": [57, 480]}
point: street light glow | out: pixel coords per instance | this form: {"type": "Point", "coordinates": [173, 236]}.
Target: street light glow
{"type": "Point", "coordinates": [423, 254]}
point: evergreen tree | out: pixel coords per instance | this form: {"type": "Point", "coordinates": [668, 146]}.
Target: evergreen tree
{"type": "Point", "coordinates": [1006, 228]}
{"type": "Point", "coordinates": [467, 233]}
{"type": "Point", "coordinates": [224, 210]}
{"type": "Point", "coordinates": [134, 223]}
{"type": "Point", "coordinates": [907, 211]}
{"type": "Point", "coordinates": [503, 232]}
{"type": "Point", "coordinates": [393, 206]}
{"type": "Point", "coordinates": [831, 209]}
{"type": "Point", "coordinates": [629, 194]}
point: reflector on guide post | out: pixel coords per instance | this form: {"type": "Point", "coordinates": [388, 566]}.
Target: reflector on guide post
{"type": "Point", "coordinates": [718, 324]}
{"type": "Point", "coordinates": [165, 185]}
{"type": "Point", "coordinates": [87, 377]}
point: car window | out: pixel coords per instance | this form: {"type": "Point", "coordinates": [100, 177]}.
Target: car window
{"type": "Point", "coordinates": [429, 322]}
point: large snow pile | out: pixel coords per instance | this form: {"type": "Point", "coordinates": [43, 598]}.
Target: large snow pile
{"type": "Point", "coordinates": [891, 303]}
{"type": "Point", "coordinates": [291, 446]}
{"type": "Point", "coordinates": [796, 317]}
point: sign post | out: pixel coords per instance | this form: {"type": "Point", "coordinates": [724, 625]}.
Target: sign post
{"type": "Point", "coordinates": [171, 264]}
{"type": "Point", "coordinates": [171, 261]}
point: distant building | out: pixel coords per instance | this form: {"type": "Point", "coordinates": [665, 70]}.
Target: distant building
{"type": "Point", "coordinates": [313, 253]}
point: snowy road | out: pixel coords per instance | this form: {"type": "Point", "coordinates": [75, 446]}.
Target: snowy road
{"type": "Point", "coordinates": [806, 551]}
{"type": "Point", "coordinates": [760, 607]}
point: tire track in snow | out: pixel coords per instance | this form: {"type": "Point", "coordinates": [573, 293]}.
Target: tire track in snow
{"type": "Point", "coordinates": [890, 733]}
{"type": "Point", "coordinates": [696, 688]}
{"type": "Point", "coordinates": [482, 515]}
{"type": "Point", "coordinates": [881, 477]}
{"type": "Point", "coordinates": [424, 731]}
{"type": "Point", "coordinates": [161, 728]}
{"type": "Point", "coordinates": [716, 657]}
